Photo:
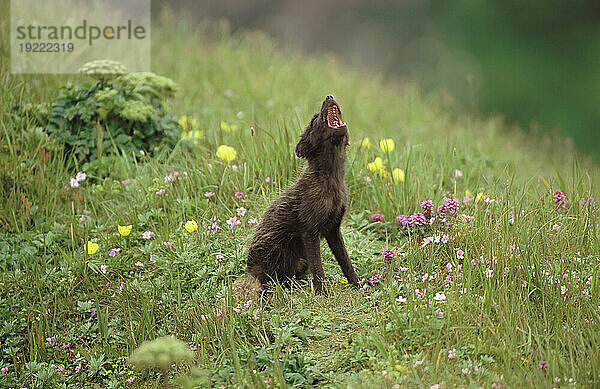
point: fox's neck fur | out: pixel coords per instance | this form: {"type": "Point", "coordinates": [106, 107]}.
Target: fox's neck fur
{"type": "Point", "coordinates": [330, 167]}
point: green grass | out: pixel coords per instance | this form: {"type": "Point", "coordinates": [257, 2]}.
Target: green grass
{"type": "Point", "coordinates": [504, 325]}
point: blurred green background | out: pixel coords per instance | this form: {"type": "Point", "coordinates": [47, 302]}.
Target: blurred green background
{"type": "Point", "coordinates": [534, 62]}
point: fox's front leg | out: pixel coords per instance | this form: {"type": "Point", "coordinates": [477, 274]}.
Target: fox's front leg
{"type": "Point", "coordinates": [338, 248]}
{"type": "Point", "coordinates": [313, 256]}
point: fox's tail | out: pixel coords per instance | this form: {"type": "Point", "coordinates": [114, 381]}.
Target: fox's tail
{"type": "Point", "coordinates": [246, 288]}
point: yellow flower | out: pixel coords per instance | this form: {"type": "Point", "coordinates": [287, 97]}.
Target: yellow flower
{"type": "Point", "coordinates": [124, 230]}
{"type": "Point", "coordinates": [365, 143]}
{"type": "Point", "coordinates": [384, 173]}
{"type": "Point", "coordinates": [91, 247]}
{"type": "Point", "coordinates": [387, 145]}
{"type": "Point", "coordinates": [478, 197]}
{"type": "Point", "coordinates": [228, 127]}
{"type": "Point", "coordinates": [376, 165]}
{"type": "Point", "coordinates": [398, 175]}
{"type": "Point", "coordinates": [187, 123]}
{"type": "Point", "coordinates": [190, 226]}
{"type": "Point", "coordinates": [226, 153]}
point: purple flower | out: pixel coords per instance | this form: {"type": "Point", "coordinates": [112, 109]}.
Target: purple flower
{"type": "Point", "coordinates": [147, 234]}
{"type": "Point", "coordinates": [168, 244]}
{"type": "Point", "coordinates": [239, 195]}
{"type": "Point", "coordinates": [268, 180]}
{"type": "Point", "coordinates": [427, 207]}
{"type": "Point", "coordinates": [378, 217]}
{"type": "Point", "coordinates": [559, 199]}
{"type": "Point", "coordinates": [114, 252]}
{"type": "Point", "coordinates": [450, 207]}
{"type": "Point", "coordinates": [87, 212]}
{"type": "Point", "coordinates": [389, 254]}
{"type": "Point", "coordinates": [543, 365]}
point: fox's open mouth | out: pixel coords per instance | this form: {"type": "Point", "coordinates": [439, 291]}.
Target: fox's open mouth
{"type": "Point", "coordinates": [334, 117]}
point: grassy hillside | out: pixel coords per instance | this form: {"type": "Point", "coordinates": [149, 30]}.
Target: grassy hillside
{"type": "Point", "coordinates": [502, 293]}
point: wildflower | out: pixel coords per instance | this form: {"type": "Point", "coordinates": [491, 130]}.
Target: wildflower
{"type": "Point", "coordinates": [365, 143]}
{"type": "Point", "coordinates": [130, 379]}
{"type": "Point", "coordinates": [252, 222]}
{"type": "Point", "coordinates": [190, 226]}
{"type": "Point", "coordinates": [427, 208]}
{"type": "Point", "coordinates": [51, 341]}
{"type": "Point", "coordinates": [103, 269]}
{"type": "Point", "coordinates": [226, 153]}
{"type": "Point", "coordinates": [234, 221]}
{"type": "Point", "coordinates": [160, 192]}
{"type": "Point", "coordinates": [389, 254]}
{"type": "Point", "coordinates": [438, 312]}
{"type": "Point", "coordinates": [268, 180]}
{"type": "Point", "coordinates": [489, 273]}
{"type": "Point", "coordinates": [451, 353]}
{"type": "Point", "coordinates": [81, 176]}
{"type": "Point", "coordinates": [458, 173]}
{"type": "Point", "coordinates": [465, 371]}
{"type": "Point", "coordinates": [559, 199]}
{"type": "Point", "coordinates": [440, 297]}
{"type": "Point", "coordinates": [124, 230]}
{"type": "Point", "coordinates": [237, 310]}
{"type": "Point", "coordinates": [139, 264]}
{"type": "Point", "coordinates": [74, 183]}
{"type": "Point", "coordinates": [398, 175]}
{"type": "Point", "coordinates": [387, 145]}
{"type": "Point", "coordinates": [82, 219]}
{"type": "Point", "coordinates": [555, 227]}
{"type": "Point", "coordinates": [543, 365]}
{"type": "Point", "coordinates": [187, 123]}
{"type": "Point", "coordinates": [401, 299]}
{"type": "Point", "coordinates": [241, 212]}
{"type": "Point", "coordinates": [126, 182]}
{"type": "Point", "coordinates": [239, 195]}
{"type": "Point", "coordinates": [91, 247]}
{"type": "Point", "coordinates": [87, 212]}
{"type": "Point", "coordinates": [147, 234]}
{"type": "Point", "coordinates": [152, 260]}
{"type": "Point", "coordinates": [114, 252]}
{"type": "Point", "coordinates": [459, 254]}
{"type": "Point", "coordinates": [466, 199]}
{"type": "Point", "coordinates": [378, 217]}
{"type": "Point", "coordinates": [4, 370]}
{"type": "Point", "coordinates": [467, 218]}
{"type": "Point", "coordinates": [228, 127]}
{"type": "Point", "coordinates": [436, 386]}
{"type": "Point", "coordinates": [450, 207]}
{"type": "Point", "coordinates": [478, 197]}
{"type": "Point", "coordinates": [376, 165]}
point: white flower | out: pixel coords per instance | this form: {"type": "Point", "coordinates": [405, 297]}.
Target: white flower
{"type": "Point", "coordinates": [81, 176]}
{"type": "Point", "coordinates": [401, 299]}
{"type": "Point", "coordinates": [74, 183]}
{"type": "Point", "coordinates": [440, 297]}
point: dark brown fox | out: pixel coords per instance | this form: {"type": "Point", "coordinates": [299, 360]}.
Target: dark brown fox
{"type": "Point", "coordinates": [286, 242]}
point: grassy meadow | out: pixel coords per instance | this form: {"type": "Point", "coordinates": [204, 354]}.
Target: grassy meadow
{"type": "Point", "coordinates": [501, 290]}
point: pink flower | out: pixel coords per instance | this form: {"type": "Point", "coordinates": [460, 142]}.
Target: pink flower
{"type": "Point", "coordinates": [114, 252]}
{"type": "Point", "coordinates": [378, 217]}
{"type": "Point", "coordinates": [4, 369]}
{"type": "Point", "coordinates": [252, 222]}
{"type": "Point", "coordinates": [450, 207]}
{"type": "Point", "coordinates": [168, 244]}
{"type": "Point", "coordinates": [87, 212]}
{"type": "Point", "coordinates": [208, 195]}
{"type": "Point", "coordinates": [130, 379]}
{"type": "Point", "coordinates": [559, 199]}
{"type": "Point", "coordinates": [389, 254]}
{"type": "Point", "coordinates": [459, 253]}
{"type": "Point", "coordinates": [438, 312]}
{"type": "Point", "coordinates": [160, 192]}
{"type": "Point", "coordinates": [239, 195]}
{"type": "Point", "coordinates": [147, 234]}
{"type": "Point", "coordinates": [103, 269]}
{"type": "Point", "coordinates": [268, 180]}
{"type": "Point", "coordinates": [139, 264]}
{"type": "Point", "coordinates": [543, 365]}
{"type": "Point", "coordinates": [427, 207]}
{"type": "Point", "coordinates": [153, 260]}
{"type": "Point", "coordinates": [451, 353]}
{"type": "Point", "coordinates": [241, 212]}
{"type": "Point", "coordinates": [126, 182]}
{"type": "Point", "coordinates": [555, 227]}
